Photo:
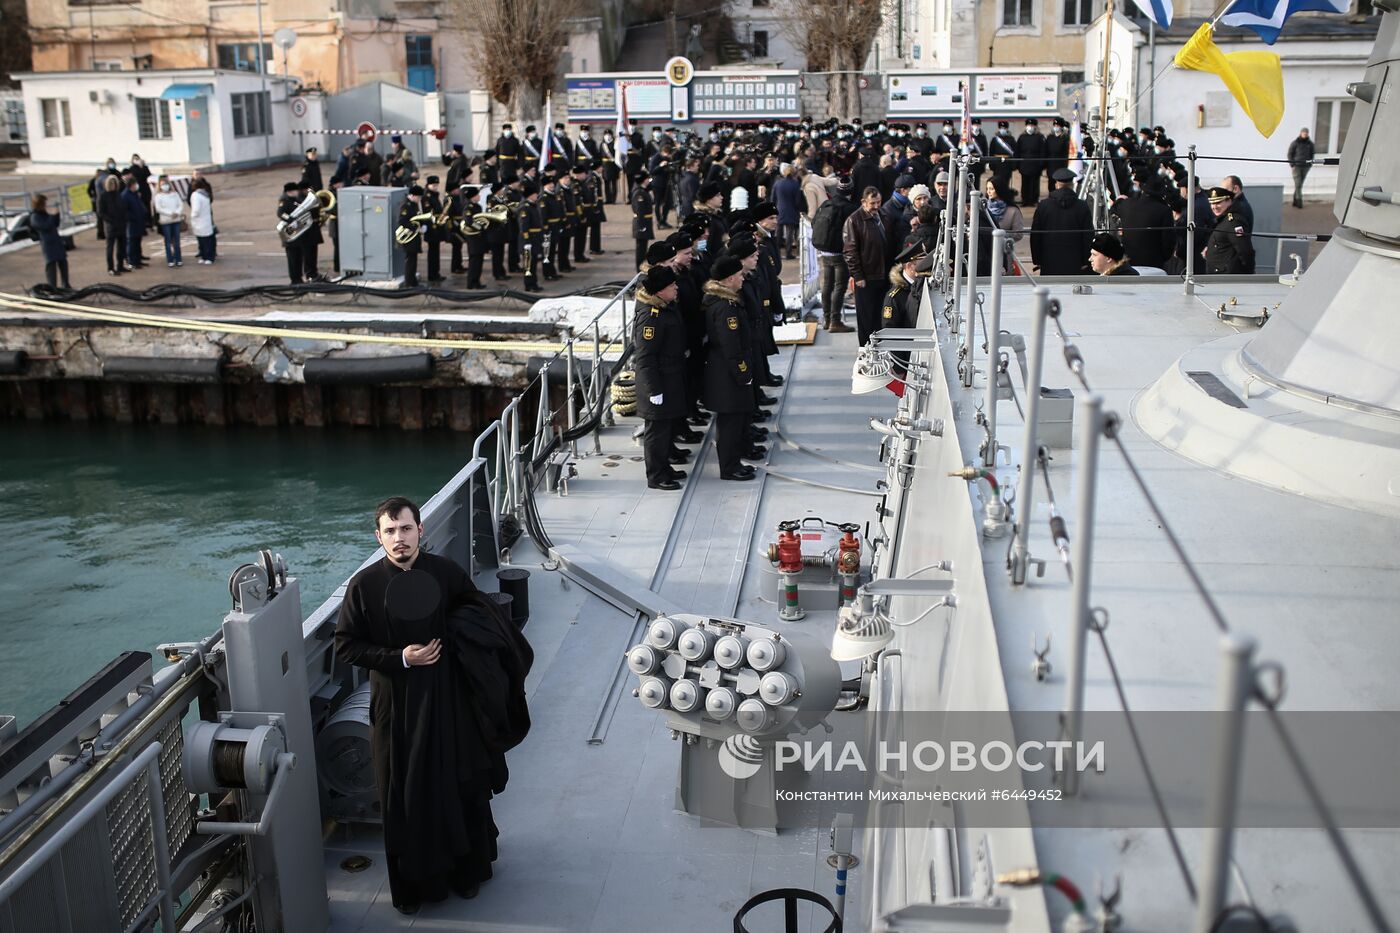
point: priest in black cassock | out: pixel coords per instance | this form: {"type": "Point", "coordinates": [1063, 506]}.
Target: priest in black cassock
{"type": "Point", "coordinates": [447, 671]}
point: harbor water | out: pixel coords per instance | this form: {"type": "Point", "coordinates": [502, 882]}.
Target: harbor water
{"type": "Point", "coordinates": [124, 536]}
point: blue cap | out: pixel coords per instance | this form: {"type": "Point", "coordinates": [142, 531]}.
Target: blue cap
{"type": "Point", "coordinates": [395, 139]}
{"type": "Point", "coordinates": [456, 147]}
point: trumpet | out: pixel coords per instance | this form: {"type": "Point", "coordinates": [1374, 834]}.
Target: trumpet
{"type": "Point", "coordinates": [408, 232]}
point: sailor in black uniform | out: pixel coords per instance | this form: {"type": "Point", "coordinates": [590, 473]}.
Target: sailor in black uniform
{"type": "Point", "coordinates": [728, 370]}
{"type": "Point", "coordinates": [658, 336]}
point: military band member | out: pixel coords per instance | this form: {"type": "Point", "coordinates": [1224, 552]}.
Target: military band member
{"type": "Point", "coordinates": [1230, 247]}
{"type": "Point", "coordinates": [474, 239]}
{"type": "Point", "coordinates": [434, 235]}
{"type": "Point", "coordinates": [311, 241]}
{"type": "Point", "coordinates": [598, 214]}
{"type": "Point", "coordinates": [530, 221]}
{"type": "Point", "coordinates": [508, 152]}
{"type": "Point", "coordinates": [583, 211]}
{"type": "Point", "coordinates": [641, 216]}
{"type": "Point", "coordinates": [659, 341]}
{"type": "Point", "coordinates": [496, 234]}
{"type": "Point", "coordinates": [552, 206]}
{"type": "Point", "coordinates": [410, 218]}
{"type": "Point", "coordinates": [510, 197]}
{"type": "Point", "coordinates": [569, 221]}
{"type": "Point", "coordinates": [728, 388]}
{"type": "Point", "coordinates": [296, 263]}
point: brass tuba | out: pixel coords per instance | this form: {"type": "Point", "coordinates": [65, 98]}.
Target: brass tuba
{"type": "Point", "coordinates": [299, 221]}
{"type": "Point", "coordinates": [406, 234]}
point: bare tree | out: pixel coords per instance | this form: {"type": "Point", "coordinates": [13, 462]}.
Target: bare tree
{"type": "Point", "coordinates": [517, 46]}
{"type": "Point", "coordinates": [835, 37]}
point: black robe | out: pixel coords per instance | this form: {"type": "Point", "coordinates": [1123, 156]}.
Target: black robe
{"type": "Point", "coordinates": [440, 731]}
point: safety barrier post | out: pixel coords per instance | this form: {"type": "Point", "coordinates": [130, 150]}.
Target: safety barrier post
{"type": "Point", "coordinates": [993, 336]}
{"type": "Point", "coordinates": [1025, 493]}
{"type": "Point", "coordinates": [1091, 424]}
{"type": "Point", "coordinates": [1235, 685]}
{"type": "Point", "coordinates": [974, 209]}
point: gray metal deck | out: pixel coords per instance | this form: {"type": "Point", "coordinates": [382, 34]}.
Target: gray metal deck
{"type": "Point", "coordinates": [590, 840]}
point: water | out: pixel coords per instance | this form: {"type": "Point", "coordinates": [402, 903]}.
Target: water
{"type": "Point", "coordinates": [123, 537]}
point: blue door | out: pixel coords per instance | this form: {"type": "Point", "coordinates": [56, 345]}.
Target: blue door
{"type": "Point", "coordinates": [421, 76]}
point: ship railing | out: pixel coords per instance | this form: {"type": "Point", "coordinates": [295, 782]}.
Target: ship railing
{"type": "Point", "coordinates": [1242, 681]}
{"type": "Point", "coordinates": [104, 839]}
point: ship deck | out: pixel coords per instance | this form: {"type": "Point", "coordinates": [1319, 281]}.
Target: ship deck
{"type": "Point", "coordinates": [590, 839]}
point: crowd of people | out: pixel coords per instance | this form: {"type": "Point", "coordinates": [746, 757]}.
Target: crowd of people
{"type": "Point", "coordinates": [541, 222]}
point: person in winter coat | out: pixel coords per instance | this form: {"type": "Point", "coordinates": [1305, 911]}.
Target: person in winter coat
{"type": "Point", "coordinates": [1300, 156]}
{"type": "Point", "coordinates": [170, 214]}
{"type": "Point", "coordinates": [787, 195]}
{"type": "Point", "coordinates": [55, 253]}
{"type": "Point", "coordinates": [1062, 230]}
{"type": "Point", "coordinates": [865, 236]}
{"type": "Point", "coordinates": [111, 212]}
{"type": "Point", "coordinates": [1146, 226]}
{"type": "Point", "coordinates": [136, 220]}
{"type": "Point", "coordinates": [202, 222]}
{"type": "Point", "coordinates": [1001, 206]}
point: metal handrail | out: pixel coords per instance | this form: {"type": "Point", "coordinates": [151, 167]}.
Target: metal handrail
{"type": "Point", "coordinates": [1095, 424]}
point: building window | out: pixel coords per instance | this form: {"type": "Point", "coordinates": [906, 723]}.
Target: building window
{"type": "Point", "coordinates": [1017, 12]}
{"type": "Point", "coordinates": [760, 43]}
{"type": "Point", "coordinates": [252, 113]}
{"type": "Point", "coordinates": [1078, 12]}
{"type": "Point", "coordinates": [111, 65]}
{"type": "Point", "coordinates": [421, 74]}
{"type": "Point", "coordinates": [15, 123]}
{"type": "Point", "coordinates": [152, 118]}
{"type": "Point", "coordinates": [1332, 119]}
{"type": "Point", "coordinates": [57, 122]}
{"type": "Point", "coordinates": [243, 56]}
{"type": "Point", "coordinates": [761, 3]}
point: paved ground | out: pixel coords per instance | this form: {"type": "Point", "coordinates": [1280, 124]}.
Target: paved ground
{"type": "Point", "coordinates": [244, 209]}
{"type": "Point", "coordinates": [250, 253]}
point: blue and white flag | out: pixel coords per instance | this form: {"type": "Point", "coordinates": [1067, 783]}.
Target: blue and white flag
{"type": "Point", "coordinates": [1159, 11]}
{"type": "Point", "coordinates": [1266, 17]}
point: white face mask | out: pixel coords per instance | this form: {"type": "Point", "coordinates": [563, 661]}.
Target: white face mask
{"type": "Point", "coordinates": [655, 134]}
{"type": "Point", "coordinates": [583, 135]}
{"type": "Point", "coordinates": [921, 131]}
{"type": "Point", "coordinates": [1056, 131]}
{"type": "Point", "coordinates": [508, 134]}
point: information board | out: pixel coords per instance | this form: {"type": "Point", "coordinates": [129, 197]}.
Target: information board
{"type": "Point", "coordinates": [1008, 93]}
{"type": "Point", "coordinates": [744, 96]}
{"type": "Point", "coordinates": [1014, 94]}
{"type": "Point", "coordinates": [594, 98]}
{"type": "Point", "coordinates": [925, 95]}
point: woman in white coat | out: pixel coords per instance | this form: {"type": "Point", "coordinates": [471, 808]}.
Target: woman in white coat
{"type": "Point", "coordinates": [170, 214]}
{"type": "Point", "coordinates": [202, 221]}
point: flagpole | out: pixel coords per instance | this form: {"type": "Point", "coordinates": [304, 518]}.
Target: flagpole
{"type": "Point", "coordinates": [1102, 149]}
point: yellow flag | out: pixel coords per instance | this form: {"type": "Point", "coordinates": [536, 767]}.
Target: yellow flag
{"type": "Point", "coordinates": [1254, 78]}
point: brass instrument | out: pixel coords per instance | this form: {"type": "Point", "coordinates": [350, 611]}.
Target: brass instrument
{"type": "Point", "coordinates": [497, 215]}
{"type": "Point", "coordinates": [327, 199]}
{"type": "Point", "coordinates": [443, 219]}
{"type": "Point", "coordinates": [300, 220]}
{"type": "Point", "coordinates": [406, 234]}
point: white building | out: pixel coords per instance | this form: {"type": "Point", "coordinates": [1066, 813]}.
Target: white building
{"type": "Point", "coordinates": [1320, 55]}
{"type": "Point", "coordinates": [176, 119]}
{"type": "Point", "coordinates": [764, 30]}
